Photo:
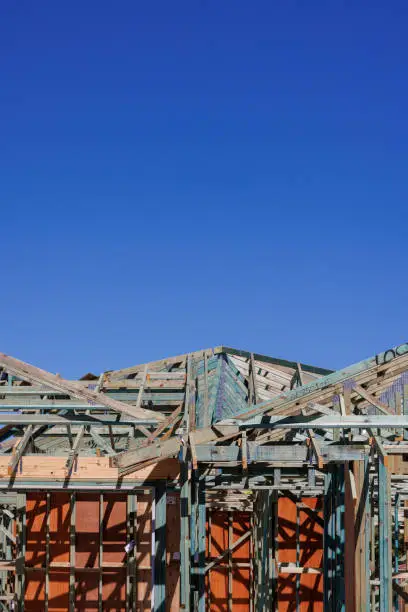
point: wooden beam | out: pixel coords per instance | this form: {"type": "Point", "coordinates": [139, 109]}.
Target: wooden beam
{"type": "Point", "coordinates": [377, 443]}
{"type": "Point", "coordinates": [228, 551]}
{"type": "Point", "coordinates": [193, 450]}
{"type": "Point", "coordinates": [37, 376]}
{"type": "Point", "coordinates": [160, 364]}
{"type": "Point", "coordinates": [244, 448]}
{"type": "Point", "coordinates": [73, 453]}
{"type": "Point", "coordinates": [206, 419]}
{"type": "Point", "coordinates": [293, 569]}
{"type": "Point", "coordinates": [371, 399]}
{"type": "Point", "coordinates": [176, 415]}
{"type": "Point", "coordinates": [19, 450]}
{"type": "Point", "coordinates": [400, 591]}
{"type": "Point", "coordinates": [324, 385]}
{"type": "Point", "coordinates": [316, 448]}
{"type": "Point", "coordinates": [252, 380]}
{"type": "Point", "coordinates": [101, 442]}
{"type": "Point", "coordinates": [191, 382]}
{"type": "Point", "coordinates": [300, 374]}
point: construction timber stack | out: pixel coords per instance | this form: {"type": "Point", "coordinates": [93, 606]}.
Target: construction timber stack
{"type": "Point", "coordinates": [220, 480]}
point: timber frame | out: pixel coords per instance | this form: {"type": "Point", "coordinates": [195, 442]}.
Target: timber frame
{"type": "Point", "coordinates": [227, 430]}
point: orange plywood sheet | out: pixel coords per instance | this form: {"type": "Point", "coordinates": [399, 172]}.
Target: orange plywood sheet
{"type": "Point", "coordinates": [87, 530]}
{"type": "Point", "coordinates": [217, 579]}
{"type": "Point", "coordinates": [86, 591]}
{"type": "Point", "coordinates": [87, 544]}
{"type": "Point", "coordinates": [114, 591]}
{"type": "Point", "coordinates": [34, 591]}
{"type": "Point", "coordinates": [114, 528]}
{"type": "Point", "coordinates": [58, 595]}
{"type": "Point", "coordinates": [36, 509]}
{"type": "Point", "coordinates": [240, 589]}
{"type": "Point", "coordinates": [218, 585]}
{"type": "Point", "coordinates": [240, 525]}
{"type": "Point", "coordinates": [311, 555]}
{"type": "Point", "coordinates": [59, 526]}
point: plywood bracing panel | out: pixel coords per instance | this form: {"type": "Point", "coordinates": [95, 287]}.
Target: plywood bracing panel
{"type": "Point", "coordinates": [79, 539]}
{"type": "Point", "coordinates": [300, 542]}
{"type": "Point", "coordinates": [229, 582]}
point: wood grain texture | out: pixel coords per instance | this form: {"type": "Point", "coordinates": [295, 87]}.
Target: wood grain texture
{"type": "Point", "coordinates": [310, 555]}
{"type": "Point", "coordinates": [217, 580]}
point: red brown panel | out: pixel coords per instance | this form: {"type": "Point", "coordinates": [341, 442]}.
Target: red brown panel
{"type": "Point", "coordinates": [36, 510]}
{"type": "Point", "coordinates": [240, 526]}
{"type": "Point", "coordinates": [217, 580]}
{"type": "Point", "coordinates": [87, 527]}
{"type": "Point", "coordinates": [58, 596]}
{"type": "Point", "coordinates": [114, 591]}
{"type": "Point", "coordinates": [59, 526]}
{"type": "Point", "coordinates": [240, 589]}
{"type": "Point", "coordinates": [311, 555]}
{"type": "Point", "coordinates": [87, 530]}
{"type": "Point", "coordinates": [86, 591]}
{"type": "Point", "coordinates": [240, 576]}
{"type": "Point", "coordinates": [311, 534]}
{"type": "Point", "coordinates": [310, 592]}
{"type": "Point", "coordinates": [34, 591]}
{"type": "Point", "coordinates": [219, 534]}
{"type": "Point", "coordinates": [144, 590]}
{"type": "Point", "coordinates": [114, 528]}
{"type": "Point", "coordinates": [286, 531]}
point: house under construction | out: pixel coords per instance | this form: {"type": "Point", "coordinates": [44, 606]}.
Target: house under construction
{"type": "Point", "coordinates": [220, 480]}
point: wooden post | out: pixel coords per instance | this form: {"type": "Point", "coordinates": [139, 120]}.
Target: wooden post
{"type": "Point", "coordinates": [201, 545]}
{"type": "Point", "coordinates": [362, 532]}
{"type": "Point", "coordinates": [160, 549]}
{"type": "Point", "coordinates": [100, 584]}
{"type": "Point", "coordinates": [21, 551]}
{"type": "Point", "coordinates": [185, 560]}
{"type": "Point", "coordinates": [384, 535]}
{"type": "Point", "coordinates": [72, 537]}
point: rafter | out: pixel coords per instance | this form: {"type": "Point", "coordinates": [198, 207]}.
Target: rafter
{"type": "Point", "coordinates": [37, 376]}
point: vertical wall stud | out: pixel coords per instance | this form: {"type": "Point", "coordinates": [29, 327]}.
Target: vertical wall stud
{"type": "Point", "coordinates": [230, 535]}
{"type": "Point", "coordinates": [396, 544]}
{"type": "Point", "coordinates": [201, 545]}
{"type": "Point", "coordinates": [47, 551]}
{"type": "Point", "coordinates": [100, 581]}
{"type": "Point", "coordinates": [131, 539]}
{"type": "Point", "coordinates": [384, 536]}
{"type": "Point", "coordinates": [340, 538]}
{"type": "Point", "coordinates": [72, 537]}
{"type": "Point", "coordinates": [21, 550]}
{"type": "Point", "coordinates": [185, 560]}
{"type": "Point", "coordinates": [160, 549]}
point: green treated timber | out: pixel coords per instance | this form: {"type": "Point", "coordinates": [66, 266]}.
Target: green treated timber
{"type": "Point", "coordinates": [211, 453]}
{"type": "Point", "coordinates": [57, 419]}
{"type": "Point", "coordinates": [384, 536]}
{"type": "Point", "coordinates": [160, 549]}
{"type": "Point", "coordinates": [271, 360]}
{"type": "Point", "coordinates": [331, 379]}
{"type": "Point", "coordinates": [185, 565]}
{"type": "Point", "coordinates": [201, 545]}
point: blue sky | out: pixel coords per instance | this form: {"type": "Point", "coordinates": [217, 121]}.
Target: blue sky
{"type": "Point", "coordinates": [178, 175]}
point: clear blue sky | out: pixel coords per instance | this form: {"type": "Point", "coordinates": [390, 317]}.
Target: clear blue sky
{"type": "Point", "coordinates": [181, 174]}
